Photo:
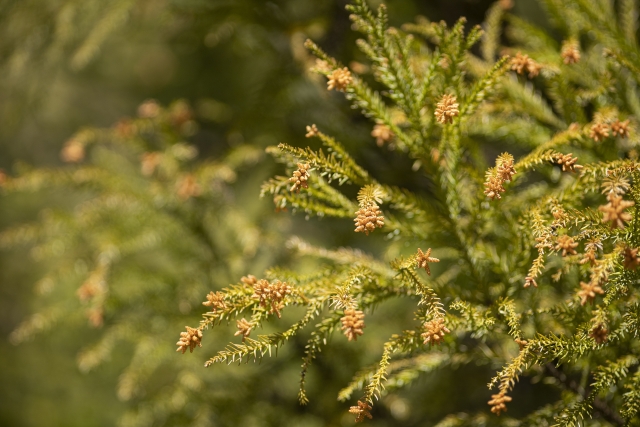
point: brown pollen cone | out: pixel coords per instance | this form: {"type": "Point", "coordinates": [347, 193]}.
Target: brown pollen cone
{"type": "Point", "coordinates": [522, 63]}
{"type": "Point", "coordinates": [599, 334]}
{"type": "Point", "coordinates": [446, 109]}
{"type": "Point", "coordinates": [568, 162]}
{"type": "Point", "coordinates": [352, 324]}
{"type": "Point", "coordinates": [244, 328]}
{"type": "Point", "coordinates": [621, 129]}
{"type": "Point", "coordinates": [566, 244]}
{"type": "Point", "coordinates": [311, 131]}
{"type": "Point", "coordinates": [613, 211]}
{"type": "Point", "coordinates": [368, 219]}
{"type": "Point", "coordinates": [300, 177]}
{"type": "Point", "coordinates": [424, 258]}
{"type": "Point", "coordinates": [528, 281]}
{"type": "Point", "coordinates": [271, 294]}
{"type": "Point", "coordinates": [189, 339]}
{"type": "Point", "coordinates": [588, 292]}
{"type": "Point", "coordinates": [599, 131]}
{"type": "Point", "coordinates": [339, 79]}
{"type": "Point", "coordinates": [361, 411]}
{"type": "Point", "coordinates": [382, 133]}
{"type": "Point", "coordinates": [493, 187]}
{"type": "Point", "coordinates": [434, 331]}
{"type": "Point", "coordinates": [215, 300]}
{"type": "Point", "coordinates": [631, 260]}
{"type": "Point", "coordinates": [570, 52]}
{"type": "Point", "coordinates": [498, 402]}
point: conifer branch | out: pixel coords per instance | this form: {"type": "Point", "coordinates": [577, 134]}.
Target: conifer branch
{"type": "Point", "coordinates": [581, 409]}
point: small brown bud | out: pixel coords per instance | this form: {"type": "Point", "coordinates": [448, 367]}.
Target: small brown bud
{"type": "Point", "coordinates": [311, 131]}
{"type": "Point", "coordinates": [339, 79]}
{"type": "Point", "coordinates": [570, 52]}
{"type": "Point", "coordinates": [352, 324]}
{"type": "Point", "coordinates": [368, 219]}
{"type": "Point", "coordinates": [361, 411]}
{"type": "Point", "coordinates": [244, 328]}
{"type": "Point", "coordinates": [446, 109]}
{"type": "Point", "coordinates": [620, 128]}
{"type": "Point", "coordinates": [566, 244]}
{"type": "Point", "coordinates": [599, 131]}
{"type": "Point", "coordinates": [588, 292]}
{"type": "Point", "coordinates": [600, 334]}
{"type": "Point", "coordinates": [215, 301]}
{"type": "Point", "coordinates": [498, 402]}
{"type": "Point", "coordinates": [424, 258]}
{"type": "Point", "coordinates": [613, 211]}
{"type": "Point", "coordinates": [300, 177]}
{"type": "Point", "coordinates": [190, 339]}
{"type": "Point", "coordinates": [73, 151]}
{"type": "Point", "coordinates": [434, 331]}
{"type": "Point", "coordinates": [382, 133]}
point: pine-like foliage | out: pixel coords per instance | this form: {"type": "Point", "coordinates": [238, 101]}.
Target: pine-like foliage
{"type": "Point", "coordinates": [146, 230]}
{"type": "Point", "coordinates": [530, 262]}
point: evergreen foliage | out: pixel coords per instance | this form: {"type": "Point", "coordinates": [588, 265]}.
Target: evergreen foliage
{"type": "Point", "coordinates": [538, 255]}
{"type": "Point", "coordinates": [525, 226]}
{"type": "Point", "coordinates": [142, 243]}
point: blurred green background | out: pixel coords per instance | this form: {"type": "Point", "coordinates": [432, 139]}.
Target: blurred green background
{"type": "Point", "coordinates": [69, 64]}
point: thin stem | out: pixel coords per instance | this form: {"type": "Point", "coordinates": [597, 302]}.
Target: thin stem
{"type": "Point", "coordinates": [599, 405]}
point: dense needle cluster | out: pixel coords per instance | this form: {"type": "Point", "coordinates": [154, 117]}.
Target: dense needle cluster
{"type": "Point", "coordinates": [493, 242]}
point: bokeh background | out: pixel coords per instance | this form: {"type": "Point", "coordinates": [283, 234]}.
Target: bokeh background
{"type": "Point", "coordinates": [240, 64]}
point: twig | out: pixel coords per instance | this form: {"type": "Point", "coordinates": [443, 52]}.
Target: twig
{"type": "Point", "coordinates": [598, 404]}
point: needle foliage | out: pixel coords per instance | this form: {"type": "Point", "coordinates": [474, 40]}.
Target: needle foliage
{"type": "Point", "coordinates": [536, 253]}
{"type": "Point", "coordinates": [504, 245]}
